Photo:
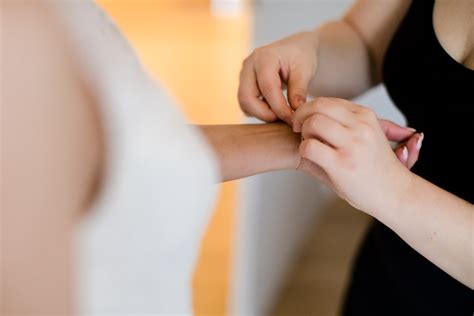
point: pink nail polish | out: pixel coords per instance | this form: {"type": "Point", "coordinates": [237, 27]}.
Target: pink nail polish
{"type": "Point", "coordinates": [405, 153]}
{"type": "Point", "coordinates": [420, 141]}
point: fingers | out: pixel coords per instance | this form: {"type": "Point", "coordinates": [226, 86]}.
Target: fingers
{"type": "Point", "coordinates": [330, 121]}
{"type": "Point", "coordinates": [414, 146]}
{"type": "Point", "coordinates": [249, 95]}
{"type": "Point", "coordinates": [337, 109]}
{"type": "Point", "coordinates": [402, 154]}
{"type": "Point", "coordinates": [298, 82]}
{"type": "Point", "coordinates": [326, 129]}
{"type": "Point", "coordinates": [314, 170]}
{"type": "Point", "coordinates": [395, 132]}
{"type": "Point", "coordinates": [317, 152]}
{"type": "Point", "coordinates": [408, 153]}
{"type": "Point", "coordinates": [269, 84]}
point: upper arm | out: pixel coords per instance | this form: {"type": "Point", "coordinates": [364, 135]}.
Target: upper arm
{"type": "Point", "coordinates": [375, 22]}
{"type": "Point", "coordinates": [50, 152]}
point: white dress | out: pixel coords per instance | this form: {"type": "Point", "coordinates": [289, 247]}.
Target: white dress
{"type": "Point", "coordinates": [137, 251]}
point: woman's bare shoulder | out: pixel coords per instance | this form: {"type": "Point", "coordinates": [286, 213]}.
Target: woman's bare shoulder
{"type": "Point", "coordinates": [50, 157]}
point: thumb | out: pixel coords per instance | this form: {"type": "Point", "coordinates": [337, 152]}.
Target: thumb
{"type": "Point", "coordinates": [395, 132]}
{"type": "Point", "coordinates": [298, 82]}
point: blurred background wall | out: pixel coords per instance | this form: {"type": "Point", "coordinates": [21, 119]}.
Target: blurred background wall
{"type": "Point", "coordinates": [278, 243]}
{"type": "Point", "coordinates": [295, 240]}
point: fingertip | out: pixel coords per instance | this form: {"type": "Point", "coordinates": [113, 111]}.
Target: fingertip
{"type": "Point", "coordinates": [398, 153]}
{"type": "Point", "coordinates": [259, 109]}
{"type": "Point", "coordinates": [415, 142]}
{"type": "Point", "coordinates": [395, 132]}
{"type": "Point", "coordinates": [285, 114]}
{"type": "Point", "coordinates": [268, 115]}
{"type": "Point", "coordinates": [296, 126]}
{"type": "Point", "coordinates": [402, 154]}
{"type": "Point", "coordinates": [414, 146]}
{"type": "Point", "coordinates": [296, 101]}
{"type": "Point", "coordinates": [419, 142]}
{"type": "Point", "coordinates": [405, 154]}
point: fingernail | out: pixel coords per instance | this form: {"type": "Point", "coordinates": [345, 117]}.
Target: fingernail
{"type": "Point", "coordinates": [300, 100]}
{"type": "Point", "coordinates": [420, 141]}
{"type": "Point", "coordinates": [405, 153]}
{"type": "Point", "coordinates": [411, 129]}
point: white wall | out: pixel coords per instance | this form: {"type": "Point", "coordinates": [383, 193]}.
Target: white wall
{"type": "Point", "coordinates": [276, 210]}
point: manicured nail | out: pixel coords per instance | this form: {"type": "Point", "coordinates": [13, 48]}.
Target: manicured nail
{"type": "Point", "coordinates": [420, 141]}
{"type": "Point", "coordinates": [405, 153]}
{"type": "Point", "coordinates": [300, 100]}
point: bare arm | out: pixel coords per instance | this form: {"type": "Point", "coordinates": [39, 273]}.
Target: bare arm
{"type": "Point", "coordinates": [342, 58]}
{"type": "Point", "coordinates": [438, 225]}
{"type": "Point", "coordinates": [246, 150]}
{"type": "Point", "coordinates": [51, 156]}
{"type": "Point", "coordinates": [360, 167]}
{"type": "Point", "coordinates": [352, 49]}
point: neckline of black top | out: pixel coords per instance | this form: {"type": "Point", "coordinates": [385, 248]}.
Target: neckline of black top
{"type": "Point", "coordinates": [438, 43]}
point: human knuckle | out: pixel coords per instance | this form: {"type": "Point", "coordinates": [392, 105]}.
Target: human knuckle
{"type": "Point", "coordinates": [259, 53]}
{"type": "Point", "coordinates": [368, 113]}
{"type": "Point", "coordinates": [345, 158]}
{"type": "Point", "coordinates": [320, 102]}
{"type": "Point", "coordinates": [314, 121]}
{"type": "Point", "coordinates": [364, 132]}
{"type": "Point", "coordinates": [266, 86]}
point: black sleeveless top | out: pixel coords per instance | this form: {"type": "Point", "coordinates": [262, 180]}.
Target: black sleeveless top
{"type": "Point", "coordinates": [436, 94]}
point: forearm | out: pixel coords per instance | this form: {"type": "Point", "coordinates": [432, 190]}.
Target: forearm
{"type": "Point", "coordinates": [438, 225]}
{"type": "Point", "coordinates": [344, 65]}
{"type": "Point", "coordinates": [245, 150]}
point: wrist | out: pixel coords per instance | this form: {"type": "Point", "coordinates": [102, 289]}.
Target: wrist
{"type": "Point", "coordinates": [285, 145]}
{"type": "Point", "coordinates": [399, 198]}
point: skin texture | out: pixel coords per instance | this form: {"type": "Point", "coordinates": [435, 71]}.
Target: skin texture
{"type": "Point", "coordinates": [343, 144]}
{"type": "Point", "coordinates": [246, 150]}
{"type": "Point", "coordinates": [50, 158]}
{"type": "Point", "coordinates": [345, 147]}
{"type": "Point", "coordinates": [53, 154]}
{"type": "Point", "coordinates": [53, 136]}
{"type": "Point", "coordinates": [309, 63]}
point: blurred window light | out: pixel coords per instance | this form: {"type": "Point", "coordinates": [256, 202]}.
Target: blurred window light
{"type": "Point", "coordinates": [226, 8]}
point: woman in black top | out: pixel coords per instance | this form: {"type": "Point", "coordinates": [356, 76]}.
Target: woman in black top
{"type": "Point", "coordinates": [417, 258]}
